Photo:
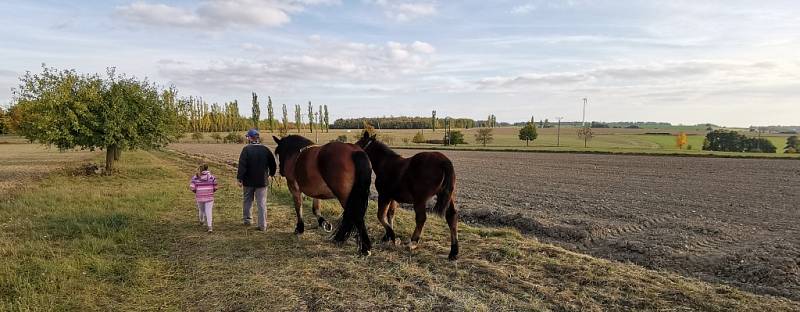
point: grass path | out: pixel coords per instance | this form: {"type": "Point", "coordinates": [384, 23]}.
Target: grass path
{"type": "Point", "coordinates": [131, 242]}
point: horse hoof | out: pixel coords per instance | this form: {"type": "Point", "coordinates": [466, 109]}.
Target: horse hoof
{"type": "Point", "coordinates": [452, 257]}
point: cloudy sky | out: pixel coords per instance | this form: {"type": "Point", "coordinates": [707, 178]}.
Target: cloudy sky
{"type": "Point", "coordinates": [729, 62]}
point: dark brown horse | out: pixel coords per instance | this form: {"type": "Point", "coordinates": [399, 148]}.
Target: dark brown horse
{"type": "Point", "coordinates": [334, 170]}
{"type": "Point", "coordinates": [413, 181]}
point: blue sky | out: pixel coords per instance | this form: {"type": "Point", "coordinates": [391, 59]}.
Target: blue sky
{"type": "Point", "coordinates": [728, 62]}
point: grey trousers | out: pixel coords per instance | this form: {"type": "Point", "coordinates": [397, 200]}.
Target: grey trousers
{"type": "Point", "coordinates": [260, 195]}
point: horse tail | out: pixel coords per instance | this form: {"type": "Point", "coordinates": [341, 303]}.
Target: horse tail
{"type": "Point", "coordinates": [355, 208]}
{"type": "Point", "coordinates": [445, 195]}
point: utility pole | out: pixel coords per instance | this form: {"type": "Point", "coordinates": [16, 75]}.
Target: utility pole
{"type": "Point", "coordinates": [558, 132]}
{"type": "Point", "coordinates": [585, 132]}
{"type": "Point", "coordinates": [583, 119]}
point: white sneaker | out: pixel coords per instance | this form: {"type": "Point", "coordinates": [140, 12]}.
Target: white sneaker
{"type": "Point", "coordinates": [210, 230]}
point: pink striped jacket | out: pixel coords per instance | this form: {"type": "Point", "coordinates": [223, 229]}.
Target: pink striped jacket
{"type": "Point", "coordinates": [203, 186]}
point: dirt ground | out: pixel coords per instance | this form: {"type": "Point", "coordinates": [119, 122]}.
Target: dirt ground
{"type": "Point", "coordinates": [732, 221]}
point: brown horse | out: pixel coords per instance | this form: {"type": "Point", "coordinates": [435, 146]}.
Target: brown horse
{"type": "Point", "coordinates": [334, 170]}
{"type": "Point", "coordinates": [413, 181]}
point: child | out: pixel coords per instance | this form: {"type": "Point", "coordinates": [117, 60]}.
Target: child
{"type": "Point", "coordinates": [204, 184]}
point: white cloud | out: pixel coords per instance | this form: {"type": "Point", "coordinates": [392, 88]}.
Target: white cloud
{"type": "Point", "coordinates": [659, 74]}
{"type": "Point", "coordinates": [403, 11]}
{"type": "Point", "coordinates": [217, 14]}
{"type": "Point", "coordinates": [543, 4]}
{"type": "Point", "coordinates": [323, 61]}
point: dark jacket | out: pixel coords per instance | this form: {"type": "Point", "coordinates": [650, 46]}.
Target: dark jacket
{"type": "Point", "coordinates": [255, 162]}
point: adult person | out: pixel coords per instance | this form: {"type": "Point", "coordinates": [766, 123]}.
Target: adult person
{"type": "Point", "coordinates": [256, 167]}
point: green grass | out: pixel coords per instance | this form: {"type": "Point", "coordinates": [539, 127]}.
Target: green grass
{"type": "Point", "coordinates": [131, 242]}
{"type": "Point", "coordinates": [630, 141]}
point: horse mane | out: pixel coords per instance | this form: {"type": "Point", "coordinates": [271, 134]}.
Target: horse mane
{"type": "Point", "coordinates": [383, 148]}
{"type": "Point", "coordinates": [294, 143]}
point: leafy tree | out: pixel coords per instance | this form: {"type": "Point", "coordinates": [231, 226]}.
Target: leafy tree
{"type": "Point", "coordinates": [792, 145]}
{"type": "Point", "coordinates": [3, 128]}
{"type": "Point", "coordinates": [327, 121]}
{"type": "Point", "coordinates": [320, 124]}
{"type": "Point", "coordinates": [418, 138]}
{"type": "Point", "coordinates": [285, 122]}
{"type": "Point", "coordinates": [270, 115]}
{"type": "Point", "coordinates": [484, 136]}
{"type": "Point", "coordinates": [732, 141]}
{"type": "Point", "coordinates": [528, 133]}
{"type": "Point", "coordinates": [723, 140]}
{"type": "Point", "coordinates": [310, 117]}
{"type": "Point", "coordinates": [456, 137]}
{"type": "Point", "coordinates": [585, 133]}
{"type": "Point", "coordinates": [547, 123]}
{"type": "Point", "coordinates": [256, 115]}
{"type": "Point", "coordinates": [216, 136]}
{"type": "Point", "coordinates": [433, 121]}
{"type": "Point", "coordinates": [681, 140]}
{"type": "Point", "coordinates": [115, 113]}
{"type": "Point", "coordinates": [298, 117]}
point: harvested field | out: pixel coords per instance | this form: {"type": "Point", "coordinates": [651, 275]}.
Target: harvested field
{"type": "Point", "coordinates": [732, 221]}
{"type": "Point", "coordinates": [22, 162]}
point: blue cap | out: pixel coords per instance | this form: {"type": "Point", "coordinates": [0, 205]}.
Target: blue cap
{"type": "Point", "coordinates": [252, 133]}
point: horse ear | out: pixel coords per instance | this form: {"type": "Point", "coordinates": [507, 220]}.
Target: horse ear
{"type": "Point", "coordinates": [374, 137]}
{"type": "Point", "coordinates": [276, 139]}
{"type": "Point", "coordinates": [365, 135]}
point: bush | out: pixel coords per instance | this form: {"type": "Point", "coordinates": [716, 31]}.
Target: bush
{"type": "Point", "coordinates": [456, 137]}
{"type": "Point", "coordinates": [342, 138]}
{"type": "Point", "coordinates": [757, 145]}
{"type": "Point", "coordinates": [418, 138]}
{"type": "Point", "coordinates": [216, 136]}
{"type": "Point", "coordinates": [197, 136]}
{"type": "Point", "coordinates": [233, 137]}
{"type": "Point", "coordinates": [731, 141]}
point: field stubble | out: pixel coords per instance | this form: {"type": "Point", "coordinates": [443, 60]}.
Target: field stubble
{"type": "Point", "coordinates": [732, 221]}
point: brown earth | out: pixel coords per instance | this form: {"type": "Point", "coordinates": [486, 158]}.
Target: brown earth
{"type": "Point", "coordinates": [732, 221]}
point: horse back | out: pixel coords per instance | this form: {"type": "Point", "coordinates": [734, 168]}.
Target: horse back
{"type": "Point", "coordinates": [308, 176]}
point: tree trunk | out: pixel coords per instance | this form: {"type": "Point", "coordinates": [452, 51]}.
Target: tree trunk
{"type": "Point", "coordinates": [111, 152]}
{"type": "Point", "coordinates": [527, 143]}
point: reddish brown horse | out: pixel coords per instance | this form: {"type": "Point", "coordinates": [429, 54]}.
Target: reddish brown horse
{"type": "Point", "coordinates": [334, 170]}
{"type": "Point", "coordinates": [413, 181]}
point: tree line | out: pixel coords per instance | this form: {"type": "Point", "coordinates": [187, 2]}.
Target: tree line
{"type": "Point", "coordinates": [403, 122]}
{"type": "Point", "coordinates": [202, 117]}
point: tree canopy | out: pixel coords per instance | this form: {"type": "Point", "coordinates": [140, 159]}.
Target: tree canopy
{"type": "Point", "coordinates": [115, 112]}
{"type": "Point", "coordinates": [528, 133]}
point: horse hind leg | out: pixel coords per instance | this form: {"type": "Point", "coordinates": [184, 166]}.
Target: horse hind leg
{"type": "Point", "coordinates": [298, 210]}
{"type": "Point", "coordinates": [452, 222]}
{"type": "Point", "coordinates": [324, 224]}
{"type": "Point", "coordinates": [420, 217]}
{"type": "Point", "coordinates": [383, 206]}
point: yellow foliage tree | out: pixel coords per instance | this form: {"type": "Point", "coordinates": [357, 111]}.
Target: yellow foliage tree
{"type": "Point", "coordinates": [681, 140]}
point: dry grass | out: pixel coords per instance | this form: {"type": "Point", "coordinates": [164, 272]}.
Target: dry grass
{"type": "Point", "coordinates": [130, 242]}
{"type": "Point", "coordinates": [22, 162]}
